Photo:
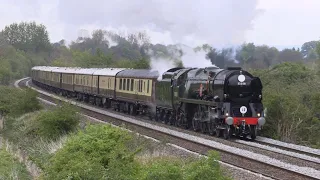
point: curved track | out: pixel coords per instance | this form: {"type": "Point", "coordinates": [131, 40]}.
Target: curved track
{"type": "Point", "coordinates": [288, 146]}
{"type": "Point", "coordinates": [253, 160]}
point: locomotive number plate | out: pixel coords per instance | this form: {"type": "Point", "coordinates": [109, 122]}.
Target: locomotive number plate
{"type": "Point", "coordinates": [243, 109]}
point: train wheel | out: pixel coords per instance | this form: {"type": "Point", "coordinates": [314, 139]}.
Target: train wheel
{"type": "Point", "coordinates": [196, 122]}
{"type": "Point", "coordinates": [203, 127]}
{"type": "Point", "coordinates": [107, 104]}
{"type": "Point", "coordinates": [150, 115]}
{"type": "Point", "coordinates": [162, 115]}
{"type": "Point", "coordinates": [99, 102]}
{"type": "Point", "coordinates": [253, 132]}
{"type": "Point", "coordinates": [131, 110]}
{"type": "Point", "coordinates": [227, 132]}
{"type": "Point", "coordinates": [157, 116]}
{"type": "Point", "coordinates": [211, 128]}
{"type": "Point", "coordinates": [172, 119]}
{"type": "Point", "coordinates": [167, 117]}
{"type": "Point", "coordinates": [218, 132]}
{"type": "Point", "coordinates": [126, 108]}
{"type": "Point", "coordinates": [178, 120]}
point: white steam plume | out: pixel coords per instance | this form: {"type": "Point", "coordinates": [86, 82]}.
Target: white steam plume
{"type": "Point", "coordinates": [219, 23]}
{"type": "Point", "coordinates": [190, 22]}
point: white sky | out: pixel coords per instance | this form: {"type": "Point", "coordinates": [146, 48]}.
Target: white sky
{"type": "Point", "coordinates": [286, 22]}
{"type": "Point", "coordinates": [217, 22]}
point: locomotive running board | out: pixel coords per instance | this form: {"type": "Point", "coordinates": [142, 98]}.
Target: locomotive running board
{"type": "Point", "coordinates": [195, 101]}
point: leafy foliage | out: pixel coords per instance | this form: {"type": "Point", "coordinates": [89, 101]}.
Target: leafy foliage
{"type": "Point", "coordinates": [53, 124]}
{"type": "Point", "coordinates": [27, 36]}
{"type": "Point", "coordinates": [102, 152]}
{"type": "Point", "coordinates": [99, 152]}
{"type": "Point", "coordinates": [291, 96]}
{"type": "Point", "coordinates": [40, 133]}
{"type": "Point", "coordinates": [15, 102]}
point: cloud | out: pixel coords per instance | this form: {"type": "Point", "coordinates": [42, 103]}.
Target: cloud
{"type": "Point", "coordinates": [184, 21]}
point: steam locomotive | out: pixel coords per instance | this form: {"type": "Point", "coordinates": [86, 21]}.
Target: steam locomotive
{"type": "Point", "coordinates": [223, 102]}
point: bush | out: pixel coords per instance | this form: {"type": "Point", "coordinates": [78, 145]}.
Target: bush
{"type": "Point", "coordinates": [165, 169]}
{"type": "Point", "coordinates": [53, 124]}
{"type": "Point", "coordinates": [99, 152]}
{"type": "Point", "coordinates": [15, 102]}
{"type": "Point", "coordinates": [290, 94]}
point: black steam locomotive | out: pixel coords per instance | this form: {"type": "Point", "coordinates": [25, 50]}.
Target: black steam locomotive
{"type": "Point", "coordinates": [213, 100]}
{"type": "Point", "coordinates": [210, 100]}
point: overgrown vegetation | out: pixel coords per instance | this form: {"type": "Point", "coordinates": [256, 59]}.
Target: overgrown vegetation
{"type": "Point", "coordinates": [95, 152]}
{"type": "Point", "coordinates": [171, 168]}
{"type": "Point", "coordinates": [52, 124]}
{"type": "Point", "coordinates": [102, 152]}
{"type": "Point", "coordinates": [35, 132]}
{"type": "Point", "coordinates": [10, 168]}
{"type": "Point", "coordinates": [15, 102]}
{"type": "Point", "coordinates": [291, 95]}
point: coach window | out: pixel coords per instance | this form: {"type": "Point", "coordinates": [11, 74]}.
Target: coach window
{"type": "Point", "coordinates": [140, 86]}
{"type": "Point", "coordinates": [132, 82]}
{"type": "Point", "coordinates": [124, 84]}
{"type": "Point", "coordinates": [128, 84]}
{"type": "Point", "coordinates": [144, 86]}
{"type": "Point", "coordinates": [148, 86]}
{"type": "Point", "coordinates": [120, 84]}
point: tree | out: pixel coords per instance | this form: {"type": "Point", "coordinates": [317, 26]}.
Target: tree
{"type": "Point", "coordinates": [307, 47]}
{"type": "Point", "coordinates": [318, 49]}
{"type": "Point", "coordinates": [245, 53]}
{"type": "Point", "coordinates": [288, 55]}
{"type": "Point", "coordinates": [27, 37]}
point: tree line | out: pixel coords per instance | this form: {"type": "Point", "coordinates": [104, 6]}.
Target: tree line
{"type": "Point", "coordinates": [109, 49]}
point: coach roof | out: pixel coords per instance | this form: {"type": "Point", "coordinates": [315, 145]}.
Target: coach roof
{"type": "Point", "coordinates": [107, 71]}
{"type": "Point", "coordinates": [139, 73]}
{"type": "Point", "coordinates": [67, 70]}
{"type": "Point", "coordinates": [44, 68]}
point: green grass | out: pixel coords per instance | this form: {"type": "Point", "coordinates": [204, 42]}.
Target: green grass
{"type": "Point", "coordinates": [11, 168]}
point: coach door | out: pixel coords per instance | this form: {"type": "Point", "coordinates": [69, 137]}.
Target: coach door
{"type": "Point", "coordinates": [136, 88]}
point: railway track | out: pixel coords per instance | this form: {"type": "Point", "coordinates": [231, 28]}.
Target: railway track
{"type": "Point", "coordinates": [255, 159]}
{"type": "Point", "coordinates": [288, 146]}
